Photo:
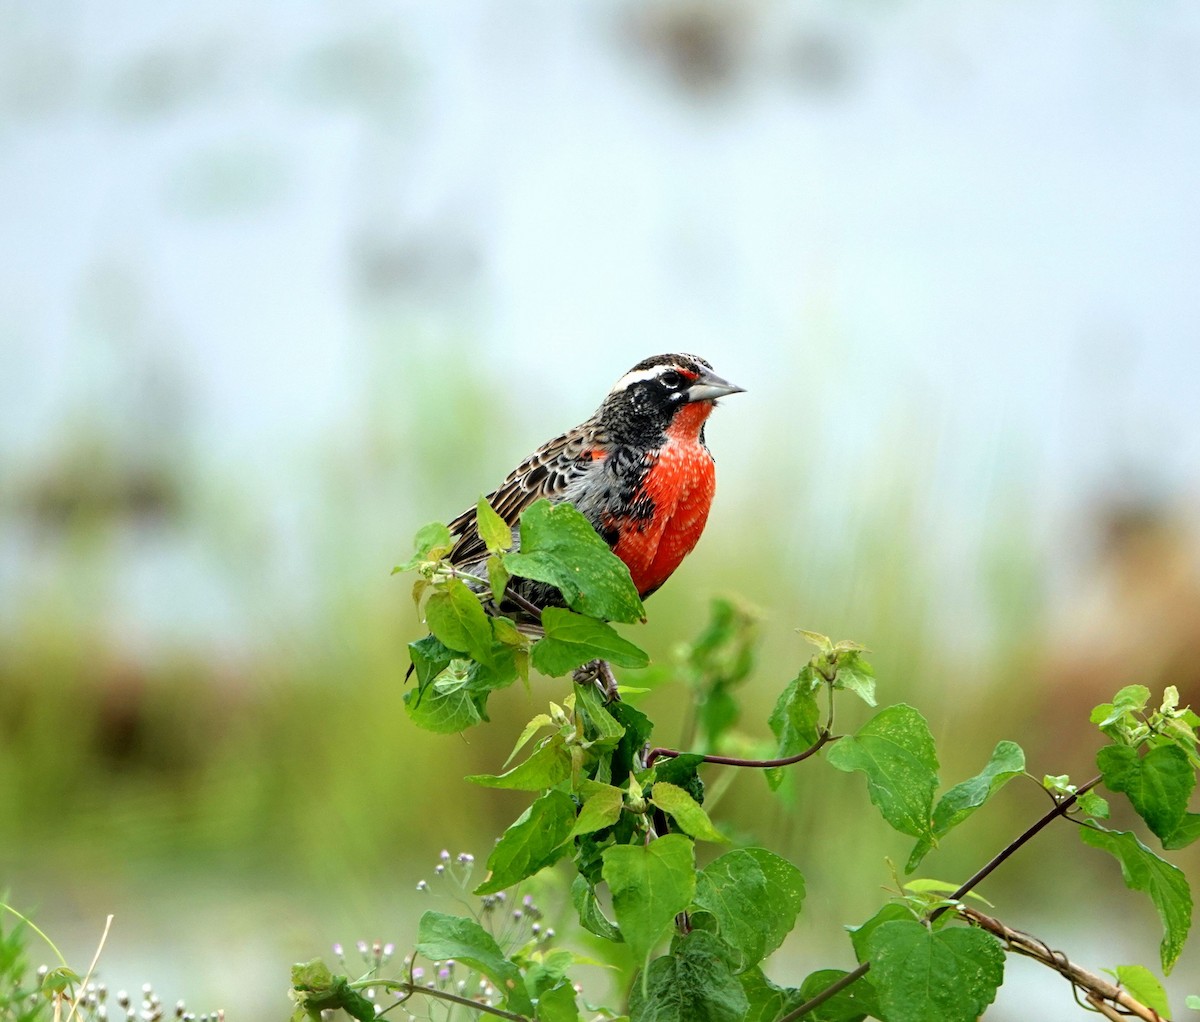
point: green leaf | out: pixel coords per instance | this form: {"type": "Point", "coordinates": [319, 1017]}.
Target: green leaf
{"type": "Point", "coordinates": [533, 842]}
{"type": "Point", "coordinates": [923, 975]}
{"type": "Point", "coordinates": [1093, 804]}
{"type": "Point", "coordinates": [441, 936]}
{"type": "Point", "coordinates": [431, 537]}
{"type": "Point", "coordinates": [686, 812]}
{"type": "Point", "coordinates": [650, 885]}
{"type": "Point", "coordinates": [1130, 699]}
{"type": "Point", "coordinates": [549, 764]}
{"type": "Point", "coordinates": [1007, 761]}
{"type": "Point", "coordinates": [853, 1004]}
{"type": "Point", "coordinates": [691, 984]}
{"type": "Point", "coordinates": [560, 546]}
{"type": "Point", "coordinates": [755, 896]}
{"type": "Point", "coordinates": [450, 704]}
{"type": "Point", "coordinates": [325, 992]}
{"type": "Point", "coordinates": [431, 542]}
{"type": "Point", "coordinates": [861, 934]}
{"type": "Point", "coordinates": [896, 752]}
{"type": "Point", "coordinates": [721, 658]}
{"type": "Point", "coordinates": [821, 642]}
{"type": "Point", "coordinates": [768, 1002]}
{"type": "Point", "coordinates": [572, 640]}
{"type": "Point", "coordinates": [600, 728]}
{"type": "Point", "coordinates": [942, 889]}
{"type": "Point", "coordinates": [311, 975]}
{"type": "Point", "coordinates": [56, 980]}
{"type": "Point", "coordinates": [601, 808]}
{"type": "Point", "coordinates": [717, 711]}
{"type": "Point", "coordinates": [794, 719]}
{"type": "Point", "coordinates": [532, 728]}
{"type": "Point", "coordinates": [495, 532]}
{"type": "Point", "coordinates": [681, 772]}
{"type": "Point", "coordinates": [429, 658]}
{"type": "Point", "coordinates": [638, 729]}
{"type": "Point", "coordinates": [583, 897]}
{"type": "Point", "coordinates": [455, 616]}
{"type": "Point", "coordinates": [1158, 784]}
{"type": "Point", "coordinates": [1144, 986]}
{"type": "Point", "coordinates": [545, 970]}
{"type": "Point", "coordinates": [498, 577]}
{"type": "Point", "coordinates": [1193, 1002]}
{"type": "Point", "coordinates": [856, 675]}
{"type": "Point", "coordinates": [558, 1004]}
{"type": "Point", "coordinates": [1145, 871]}
{"type": "Point", "coordinates": [1183, 835]}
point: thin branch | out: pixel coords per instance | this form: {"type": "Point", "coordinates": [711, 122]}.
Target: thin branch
{"type": "Point", "coordinates": [445, 995]}
{"type": "Point", "coordinates": [827, 993]}
{"type": "Point", "coordinates": [1060, 809]}
{"type": "Point", "coordinates": [529, 607]}
{"type": "Point", "coordinates": [1102, 994]}
{"type": "Point", "coordinates": [824, 739]}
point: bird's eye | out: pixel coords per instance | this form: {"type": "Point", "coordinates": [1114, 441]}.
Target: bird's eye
{"type": "Point", "coordinates": [671, 379]}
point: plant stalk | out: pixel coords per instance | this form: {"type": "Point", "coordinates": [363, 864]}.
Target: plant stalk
{"type": "Point", "coordinates": [1060, 809]}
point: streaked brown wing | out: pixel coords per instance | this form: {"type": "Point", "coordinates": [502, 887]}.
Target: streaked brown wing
{"type": "Point", "coordinates": [548, 472]}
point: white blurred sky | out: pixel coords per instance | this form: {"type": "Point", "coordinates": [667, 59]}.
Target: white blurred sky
{"type": "Point", "coordinates": [973, 251]}
{"type": "Point", "coordinates": [977, 242]}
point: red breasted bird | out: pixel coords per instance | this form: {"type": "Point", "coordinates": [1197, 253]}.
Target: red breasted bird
{"type": "Point", "coordinates": [638, 470]}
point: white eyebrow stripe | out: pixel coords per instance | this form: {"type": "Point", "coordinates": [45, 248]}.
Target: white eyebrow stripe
{"type": "Point", "coordinates": [634, 376]}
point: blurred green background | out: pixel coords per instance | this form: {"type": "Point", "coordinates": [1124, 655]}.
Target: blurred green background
{"type": "Point", "coordinates": [283, 283]}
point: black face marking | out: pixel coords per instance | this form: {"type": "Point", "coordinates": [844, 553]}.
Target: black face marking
{"type": "Point", "coordinates": [643, 403]}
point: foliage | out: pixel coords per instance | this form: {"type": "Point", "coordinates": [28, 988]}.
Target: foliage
{"type": "Point", "coordinates": [686, 921]}
{"type": "Point", "coordinates": [629, 816]}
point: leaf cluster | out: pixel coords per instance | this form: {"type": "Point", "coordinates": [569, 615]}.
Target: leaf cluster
{"type": "Point", "coordinates": [475, 647]}
{"type": "Point", "coordinates": [628, 818]}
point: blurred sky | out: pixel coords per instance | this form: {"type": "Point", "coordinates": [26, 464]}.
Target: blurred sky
{"type": "Point", "coordinates": [982, 217]}
{"type": "Point", "coordinates": [955, 244]}
{"type": "Point", "coordinates": [968, 235]}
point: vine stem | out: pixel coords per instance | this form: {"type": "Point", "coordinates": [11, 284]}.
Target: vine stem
{"type": "Point", "coordinates": [823, 739]}
{"type": "Point", "coordinates": [445, 995]}
{"type": "Point", "coordinates": [1060, 809]}
{"type": "Point", "coordinates": [1099, 990]}
{"type": "Point", "coordinates": [526, 605]}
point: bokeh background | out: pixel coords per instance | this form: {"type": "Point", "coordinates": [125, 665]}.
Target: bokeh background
{"type": "Point", "coordinates": [283, 282]}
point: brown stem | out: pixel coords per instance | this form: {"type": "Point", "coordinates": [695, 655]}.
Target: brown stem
{"type": "Point", "coordinates": [1060, 809]}
{"type": "Point", "coordinates": [830, 991]}
{"type": "Point", "coordinates": [445, 995]}
{"type": "Point", "coordinates": [824, 739]}
{"type": "Point", "coordinates": [1101, 993]}
{"type": "Point", "coordinates": [513, 596]}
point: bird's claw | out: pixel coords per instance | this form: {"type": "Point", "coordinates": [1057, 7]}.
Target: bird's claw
{"type": "Point", "coordinates": [600, 674]}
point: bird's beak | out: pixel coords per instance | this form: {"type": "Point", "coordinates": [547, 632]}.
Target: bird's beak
{"type": "Point", "coordinates": [709, 387]}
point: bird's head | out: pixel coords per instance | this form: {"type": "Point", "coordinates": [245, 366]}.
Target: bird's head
{"type": "Point", "coordinates": [661, 394]}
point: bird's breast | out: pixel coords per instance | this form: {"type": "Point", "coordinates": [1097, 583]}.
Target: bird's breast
{"type": "Point", "coordinates": [664, 520]}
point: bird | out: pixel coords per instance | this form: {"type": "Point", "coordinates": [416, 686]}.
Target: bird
{"type": "Point", "coordinates": [638, 470]}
